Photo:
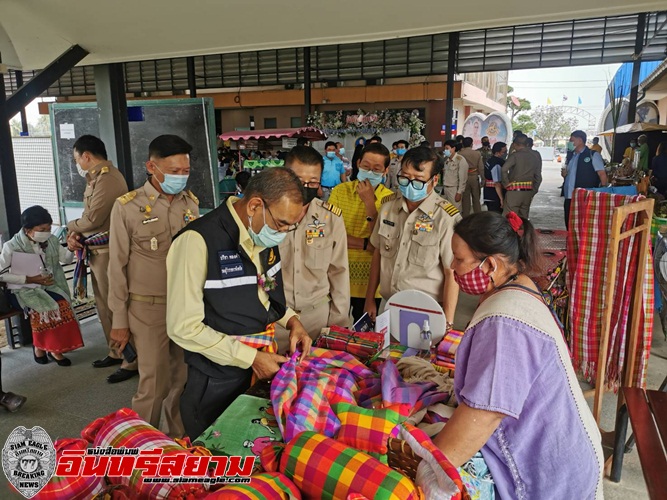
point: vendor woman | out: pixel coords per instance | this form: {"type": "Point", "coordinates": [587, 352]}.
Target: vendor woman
{"type": "Point", "coordinates": [519, 400]}
{"type": "Point", "coordinates": [43, 294]}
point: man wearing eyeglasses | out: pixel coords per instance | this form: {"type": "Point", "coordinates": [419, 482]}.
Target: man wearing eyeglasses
{"type": "Point", "coordinates": [225, 293]}
{"type": "Point", "coordinates": [413, 235]}
{"type": "Point", "coordinates": [314, 257]}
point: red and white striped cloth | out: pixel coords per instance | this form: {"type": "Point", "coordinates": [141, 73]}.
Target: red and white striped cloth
{"type": "Point", "coordinates": [587, 252]}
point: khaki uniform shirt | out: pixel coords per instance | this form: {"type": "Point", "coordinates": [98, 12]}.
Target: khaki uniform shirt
{"type": "Point", "coordinates": [143, 223]}
{"type": "Point", "coordinates": [455, 173]}
{"type": "Point", "coordinates": [392, 173]}
{"type": "Point", "coordinates": [415, 247]}
{"type": "Point", "coordinates": [474, 159]}
{"type": "Point", "coordinates": [522, 166]}
{"type": "Point", "coordinates": [314, 263]}
{"type": "Point", "coordinates": [105, 184]}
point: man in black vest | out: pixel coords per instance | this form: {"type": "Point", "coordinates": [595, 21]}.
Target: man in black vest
{"type": "Point", "coordinates": [225, 292]}
{"type": "Point", "coordinates": [584, 170]}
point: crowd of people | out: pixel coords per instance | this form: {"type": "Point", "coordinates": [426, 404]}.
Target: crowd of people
{"type": "Point", "coordinates": [209, 304]}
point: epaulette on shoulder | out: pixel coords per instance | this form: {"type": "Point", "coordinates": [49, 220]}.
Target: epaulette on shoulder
{"type": "Point", "coordinates": [389, 197]}
{"type": "Point", "coordinates": [104, 170]}
{"type": "Point", "coordinates": [192, 196]}
{"type": "Point", "coordinates": [332, 208]}
{"type": "Point", "coordinates": [127, 197]}
{"type": "Point", "coordinates": [449, 208]}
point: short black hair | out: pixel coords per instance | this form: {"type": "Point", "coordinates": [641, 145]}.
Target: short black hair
{"type": "Point", "coordinates": [375, 138]}
{"type": "Point", "coordinates": [451, 143]}
{"type": "Point", "coordinates": [35, 216]}
{"type": "Point", "coordinates": [394, 144]}
{"type": "Point", "coordinates": [596, 140]}
{"type": "Point", "coordinates": [302, 141]}
{"type": "Point", "coordinates": [517, 132]}
{"type": "Point", "coordinates": [402, 141]}
{"type": "Point", "coordinates": [579, 134]}
{"type": "Point", "coordinates": [168, 145]}
{"type": "Point", "coordinates": [425, 143]}
{"type": "Point", "coordinates": [521, 140]}
{"type": "Point", "coordinates": [485, 137]}
{"type": "Point", "coordinates": [242, 179]}
{"type": "Point", "coordinates": [328, 144]}
{"type": "Point", "coordinates": [467, 142]}
{"type": "Point", "coordinates": [529, 142]}
{"type": "Point", "coordinates": [498, 147]}
{"type": "Point", "coordinates": [378, 149]}
{"type": "Point", "coordinates": [459, 138]}
{"type": "Point", "coordinates": [90, 144]}
{"type": "Point", "coordinates": [273, 184]}
{"type": "Point", "coordinates": [305, 155]}
{"type": "Point", "coordinates": [419, 156]}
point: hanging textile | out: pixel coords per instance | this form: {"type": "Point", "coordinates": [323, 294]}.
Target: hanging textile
{"type": "Point", "coordinates": [587, 250]}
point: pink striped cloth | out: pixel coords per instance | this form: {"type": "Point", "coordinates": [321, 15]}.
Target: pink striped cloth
{"type": "Point", "coordinates": [587, 253]}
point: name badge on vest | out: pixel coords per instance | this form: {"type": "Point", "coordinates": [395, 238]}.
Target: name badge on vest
{"type": "Point", "coordinates": [230, 263]}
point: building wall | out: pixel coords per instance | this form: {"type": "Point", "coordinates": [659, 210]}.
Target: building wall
{"type": "Point", "coordinates": [662, 108]}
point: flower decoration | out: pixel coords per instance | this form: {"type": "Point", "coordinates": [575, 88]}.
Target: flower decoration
{"type": "Point", "coordinates": [267, 283]}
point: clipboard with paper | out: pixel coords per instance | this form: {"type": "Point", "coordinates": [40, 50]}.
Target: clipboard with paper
{"type": "Point", "coordinates": [25, 264]}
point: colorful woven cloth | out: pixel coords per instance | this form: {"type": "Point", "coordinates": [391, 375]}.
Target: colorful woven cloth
{"type": "Point", "coordinates": [587, 247]}
{"type": "Point", "coordinates": [363, 345]}
{"type": "Point", "coordinates": [74, 488]}
{"type": "Point", "coordinates": [264, 341]}
{"type": "Point", "coordinates": [302, 393]}
{"type": "Point", "coordinates": [124, 428]}
{"type": "Point", "coordinates": [264, 486]}
{"type": "Point", "coordinates": [97, 239]}
{"type": "Point", "coordinates": [324, 468]}
{"type": "Point", "coordinates": [80, 278]}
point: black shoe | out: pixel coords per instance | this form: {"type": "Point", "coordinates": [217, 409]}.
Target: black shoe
{"type": "Point", "coordinates": [107, 362]}
{"type": "Point", "coordinates": [61, 362]}
{"type": "Point", "coordinates": [42, 360]}
{"type": "Point", "coordinates": [121, 375]}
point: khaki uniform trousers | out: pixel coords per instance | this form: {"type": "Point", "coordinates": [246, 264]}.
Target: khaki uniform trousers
{"type": "Point", "coordinates": [162, 369]}
{"type": "Point", "coordinates": [472, 190]}
{"type": "Point", "coordinates": [519, 202]}
{"type": "Point", "coordinates": [313, 321]}
{"type": "Point", "coordinates": [449, 194]}
{"type": "Point", "coordinates": [99, 267]}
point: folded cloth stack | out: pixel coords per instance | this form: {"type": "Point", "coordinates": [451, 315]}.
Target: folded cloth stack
{"type": "Point", "coordinates": [446, 351]}
{"type": "Point", "coordinates": [362, 345]}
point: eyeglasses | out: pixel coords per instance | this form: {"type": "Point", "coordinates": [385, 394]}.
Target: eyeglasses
{"type": "Point", "coordinates": [416, 183]}
{"type": "Point", "coordinates": [379, 171]}
{"type": "Point", "coordinates": [311, 184]}
{"type": "Point", "coordinates": [281, 227]}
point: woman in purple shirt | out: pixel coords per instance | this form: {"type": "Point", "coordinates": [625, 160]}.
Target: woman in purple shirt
{"type": "Point", "coordinates": [519, 400]}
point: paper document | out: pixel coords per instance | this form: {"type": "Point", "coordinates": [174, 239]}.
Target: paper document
{"type": "Point", "coordinates": [25, 264]}
{"type": "Point", "coordinates": [67, 131]}
{"type": "Point", "coordinates": [382, 326]}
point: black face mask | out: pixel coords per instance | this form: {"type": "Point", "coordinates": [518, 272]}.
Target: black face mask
{"type": "Point", "coordinates": [486, 144]}
{"type": "Point", "coordinates": [311, 194]}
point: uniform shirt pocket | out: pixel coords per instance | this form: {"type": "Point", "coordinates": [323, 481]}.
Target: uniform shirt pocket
{"type": "Point", "coordinates": [144, 234]}
{"type": "Point", "coordinates": [318, 253]}
{"type": "Point", "coordinates": [424, 250]}
{"type": "Point", "coordinates": [389, 239]}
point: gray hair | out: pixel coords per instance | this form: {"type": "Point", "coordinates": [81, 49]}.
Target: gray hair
{"type": "Point", "coordinates": [273, 184]}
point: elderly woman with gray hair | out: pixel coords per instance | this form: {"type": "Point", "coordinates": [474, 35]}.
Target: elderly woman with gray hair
{"type": "Point", "coordinates": [44, 295]}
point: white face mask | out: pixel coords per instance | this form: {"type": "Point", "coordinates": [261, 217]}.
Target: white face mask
{"type": "Point", "coordinates": [41, 236]}
{"type": "Point", "coordinates": [81, 171]}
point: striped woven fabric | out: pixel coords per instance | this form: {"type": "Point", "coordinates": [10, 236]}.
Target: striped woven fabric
{"type": "Point", "coordinates": [324, 468]}
{"type": "Point", "coordinates": [302, 393]}
{"type": "Point", "coordinates": [264, 341]}
{"type": "Point", "coordinates": [520, 186]}
{"type": "Point", "coordinates": [124, 429]}
{"type": "Point", "coordinates": [80, 278]}
{"type": "Point", "coordinates": [489, 184]}
{"type": "Point", "coordinates": [97, 239]}
{"type": "Point", "coordinates": [587, 246]}
{"type": "Point", "coordinates": [263, 486]}
{"type": "Point", "coordinates": [74, 488]}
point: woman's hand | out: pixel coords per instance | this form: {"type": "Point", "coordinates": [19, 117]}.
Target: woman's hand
{"type": "Point", "coordinates": [39, 280]}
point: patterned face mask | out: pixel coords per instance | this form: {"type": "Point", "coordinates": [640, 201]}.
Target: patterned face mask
{"type": "Point", "coordinates": [474, 282]}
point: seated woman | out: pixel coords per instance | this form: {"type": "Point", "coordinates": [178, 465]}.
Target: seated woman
{"type": "Point", "coordinates": [54, 327]}
{"type": "Point", "coordinates": [519, 399]}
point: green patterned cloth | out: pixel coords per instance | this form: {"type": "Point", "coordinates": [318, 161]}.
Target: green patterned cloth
{"type": "Point", "coordinates": [245, 428]}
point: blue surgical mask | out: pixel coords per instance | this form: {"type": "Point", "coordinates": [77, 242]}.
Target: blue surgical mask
{"type": "Point", "coordinates": [173, 184]}
{"type": "Point", "coordinates": [267, 236]}
{"type": "Point", "coordinates": [401, 151]}
{"type": "Point", "coordinates": [448, 152]}
{"type": "Point", "coordinates": [570, 146]}
{"type": "Point", "coordinates": [341, 151]}
{"type": "Point", "coordinates": [331, 155]}
{"type": "Point", "coordinates": [412, 194]}
{"type": "Point", "coordinates": [368, 175]}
